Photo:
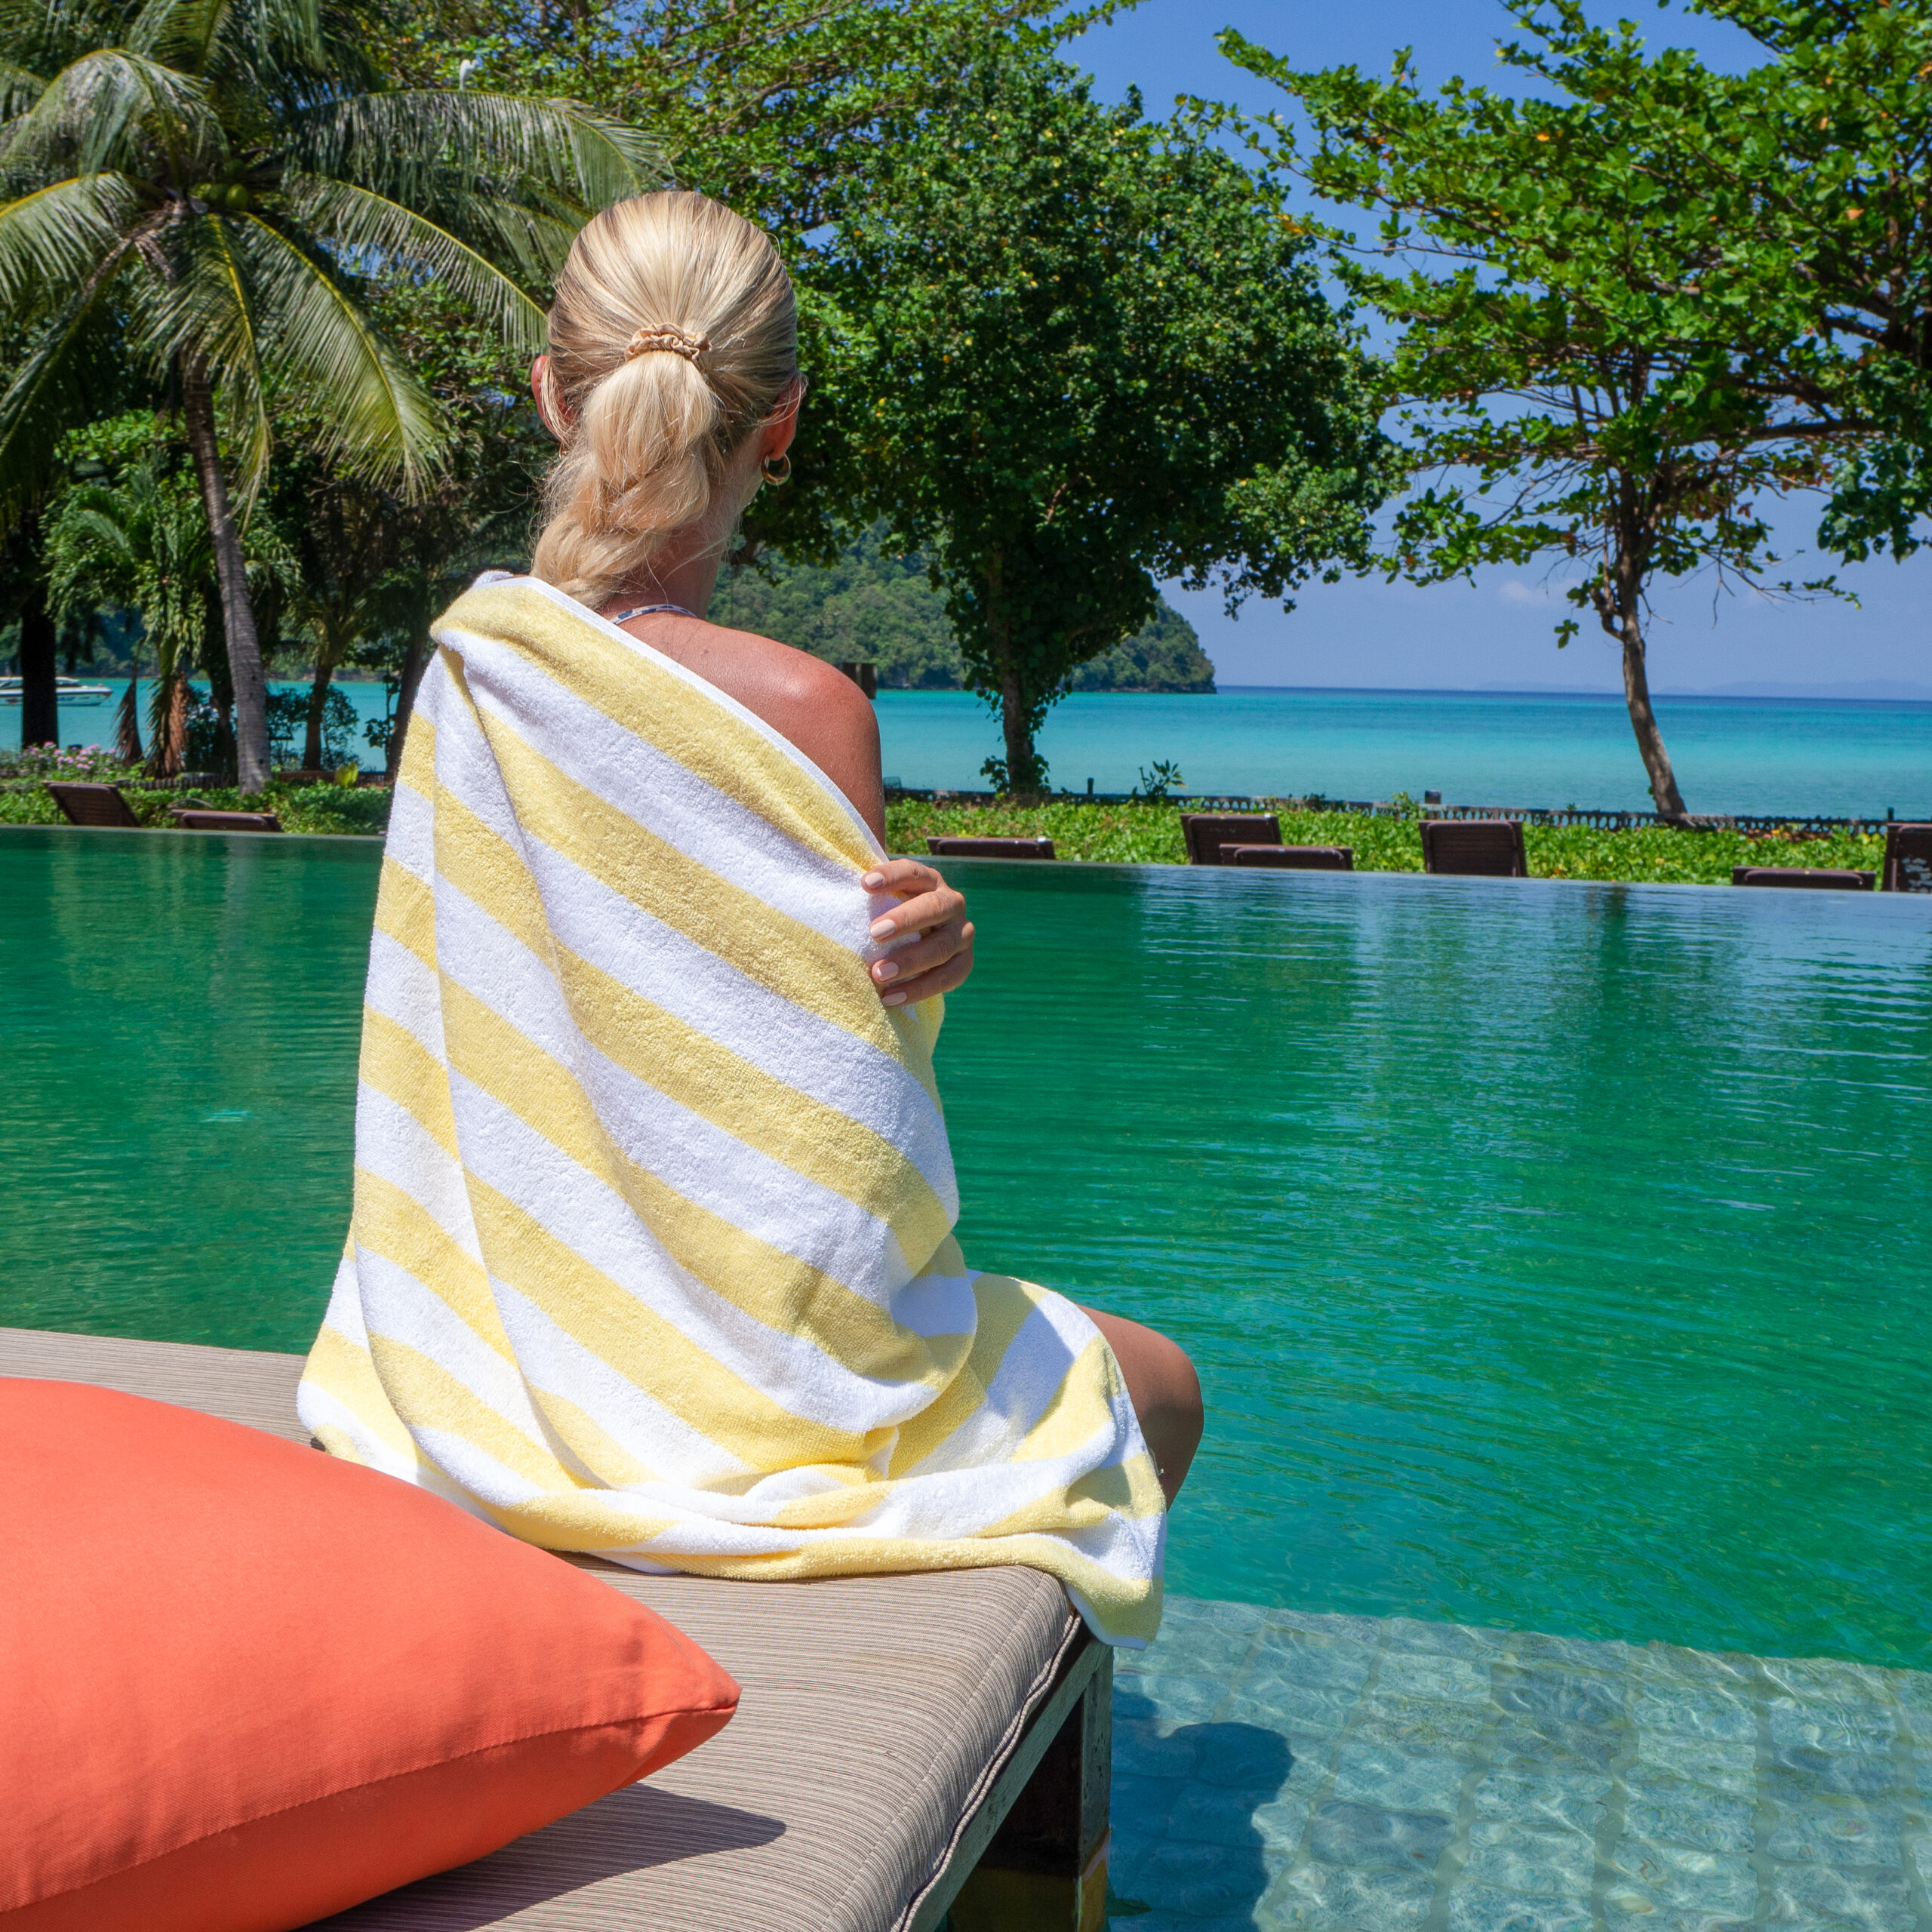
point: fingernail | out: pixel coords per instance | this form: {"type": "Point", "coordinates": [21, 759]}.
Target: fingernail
{"type": "Point", "coordinates": [895, 999]}
{"type": "Point", "coordinates": [886, 969]}
{"type": "Point", "coordinates": [883, 929]}
{"type": "Point", "coordinates": [872, 879]}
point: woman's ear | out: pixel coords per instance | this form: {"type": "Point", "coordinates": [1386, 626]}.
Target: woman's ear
{"type": "Point", "coordinates": [540, 391]}
{"type": "Point", "coordinates": [776, 433]}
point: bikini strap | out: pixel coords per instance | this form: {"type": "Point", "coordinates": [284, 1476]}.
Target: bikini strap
{"type": "Point", "coordinates": [645, 610]}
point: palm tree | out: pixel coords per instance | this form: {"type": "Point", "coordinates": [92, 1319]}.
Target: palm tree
{"type": "Point", "coordinates": [141, 543]}
{"type": "Point", "coordinates": [203, 186]}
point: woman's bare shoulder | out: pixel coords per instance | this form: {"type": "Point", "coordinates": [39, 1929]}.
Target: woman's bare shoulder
{"type": "Point", "coordinates": [811, 703]}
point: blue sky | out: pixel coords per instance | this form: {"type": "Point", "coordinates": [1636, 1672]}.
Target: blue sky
{"type": "Point", "coordinates": [1498, 631]}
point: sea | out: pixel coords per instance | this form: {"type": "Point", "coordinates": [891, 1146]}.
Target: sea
{"type": "Point", "coordinates": [1833, 758]}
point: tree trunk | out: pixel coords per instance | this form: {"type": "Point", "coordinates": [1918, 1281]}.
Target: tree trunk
{"type": "Point", "coordinates": [127, 720]}
{"type": "Point", "coordinates": [414, 657]}
{"type": "Point", "coordinates": [40, 666]}
{"type": "Point", "coordinates": [238, 614]}
{"type": "Point", "coordinates": [1022, 773]}
{"type": "Point", "coordinates": [1021, 760]}
{"type": "Point", "coordinates": [318, 693]}
{"type": "Point", "coordinates": [169, 722]}
{"type": "Point", "coordinates": [1644, 722]}
{"type": "Point", "coordinates": [1618, 594]}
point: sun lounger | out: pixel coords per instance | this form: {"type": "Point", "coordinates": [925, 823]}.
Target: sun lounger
{"type": "Point", "coordinates": [990, 848]}
{"type": "Point", "coordinates": [1292, 858]}
{"type": "Point", "coordinates": [1819, 878]}
{"type": "Point", "coordinates": [193, 818]}
{"type": "Point", "coordinates": [94, 804]}
{"type": "Point", "coordinates": [1908, 858]}
{"type": "Point", "coordinates": [1206, 832]}
{"type": "Point", "coordinates": [1475, 847]}
{"type": "Point", "coordinates": [896, 1733]}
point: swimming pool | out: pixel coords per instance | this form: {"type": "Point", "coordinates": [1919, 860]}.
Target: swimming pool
{"type": "Point", "coordinates": [1555, 1255]}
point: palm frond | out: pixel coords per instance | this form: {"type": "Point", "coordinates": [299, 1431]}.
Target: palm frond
{"type": "Point", "coordinates": [532, 239]}
{"type": "Point", "coordinates": [53, 241]}
{"type": "Point", "coordinates": [398, 144]}
{"type": "Point", "coordinates": [253, 42]}
{"type": "Point", "coordinates": [42, 36]}
{"type": "Point", "coordinates": [317, 344]}
{"type": "Point", "coordinates": [54, 387]}
{"type": "Point", "coordinates": [19, 88]}
{"type": "Point", "coordinates": [375, 230]}
{"type": "Point", "coordinates": [113, 110]}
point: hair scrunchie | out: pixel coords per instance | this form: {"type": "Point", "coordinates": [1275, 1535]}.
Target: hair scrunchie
{"type": "Point", "coordinates": [667, 336]}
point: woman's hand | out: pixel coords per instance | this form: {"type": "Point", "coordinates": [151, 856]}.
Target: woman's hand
{"type": "Point", "coordinates": [929, 938]}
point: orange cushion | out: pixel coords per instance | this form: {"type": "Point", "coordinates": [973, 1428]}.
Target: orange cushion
{"type": "Point", "coordinates": [243, 1685]}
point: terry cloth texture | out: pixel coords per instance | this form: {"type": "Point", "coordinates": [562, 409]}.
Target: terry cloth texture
{"type": "Point", "coordinates": [652, 1253]}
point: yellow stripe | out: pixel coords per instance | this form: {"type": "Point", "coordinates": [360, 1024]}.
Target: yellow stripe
{"type": "Point", "coordinates": [786, 1295]}
{"type": "Point", "coordinates": [417, 769]}
{"type": "Point", "coordinates": [1130, 1488]}
{"type": "Point", "coordinates": [406, 910]}
{"type": "Point", "coordinates": [843, 1155]}
{"type": "Point", "coordinates": [782, 954]}
{"type": "Point", "coordinates": [1004, 1305]}
{"type": "Point", "coordinates": [607, 1459]}
{"type": "Point", "coordinates": [343, 1369]}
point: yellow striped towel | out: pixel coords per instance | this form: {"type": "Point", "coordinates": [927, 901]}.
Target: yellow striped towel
{"type": "Point", "coordinates": [652, 1251]}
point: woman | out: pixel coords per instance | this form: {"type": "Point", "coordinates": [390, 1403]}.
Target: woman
{"type": "Point", "coordinates": [651, 1252]}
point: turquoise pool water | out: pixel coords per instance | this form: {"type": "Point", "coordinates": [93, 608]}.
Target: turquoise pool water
{"type": "Point", "coordinates": [1556, 1256]}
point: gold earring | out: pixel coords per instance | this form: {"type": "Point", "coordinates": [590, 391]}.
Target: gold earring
{"type": "Point", "coordinates": [777, 469]}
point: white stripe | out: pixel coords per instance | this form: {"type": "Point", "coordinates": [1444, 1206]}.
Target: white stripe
{"type": "Point", "coordinates": [400, 1308]}
{"type": "Point", "coordinates": [405, 988]}
{"type": "Point", "coordinates": [393, 1145]}
{"type": "Point", "coordinates": [410, 840]}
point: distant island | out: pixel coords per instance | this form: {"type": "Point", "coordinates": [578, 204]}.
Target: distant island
{"type": "Point", "coordinates": [872, 607]}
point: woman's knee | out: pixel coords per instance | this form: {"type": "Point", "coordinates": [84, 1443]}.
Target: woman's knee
{"type": "Point", "coordinates": [1164, 1389]}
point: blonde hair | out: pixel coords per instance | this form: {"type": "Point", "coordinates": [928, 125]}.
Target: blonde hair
{"type": "Point", "coordinates": [647, 434]}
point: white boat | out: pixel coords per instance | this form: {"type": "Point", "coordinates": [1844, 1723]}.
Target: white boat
{"type": "Point", "coordinates": [66, 691]}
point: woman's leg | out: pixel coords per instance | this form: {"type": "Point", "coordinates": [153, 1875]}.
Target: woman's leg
{"type": "Point", "coordinates": [1165, 1392]}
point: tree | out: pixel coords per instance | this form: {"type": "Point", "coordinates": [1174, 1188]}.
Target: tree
{"type": "Point", "coordinates": [781, 110]}
{"type": "Point", "coordinates": [140, 542]}
{"type": "Point", "coordinates": [1627, 325]}
{"type": "Point", "coordinates": [199, 190]}
{"type": "Point", "coordinates": [1066, 353]}
{"type": "Point", "coordinates": [1807, 181]}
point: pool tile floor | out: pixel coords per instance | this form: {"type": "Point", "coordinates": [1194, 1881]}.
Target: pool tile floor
{"type": "Point", "coordinates": [1351, 1774]}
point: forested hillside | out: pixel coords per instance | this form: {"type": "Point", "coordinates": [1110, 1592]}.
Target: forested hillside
{"type": "Point", "coordinates": [870, 606]}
